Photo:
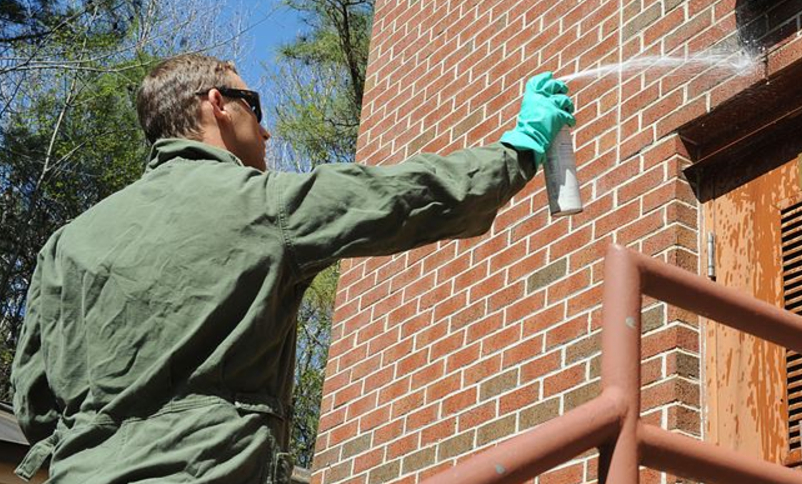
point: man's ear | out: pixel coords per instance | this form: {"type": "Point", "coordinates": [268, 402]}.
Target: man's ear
{"type": "Point", "coordinates": [217, 102]}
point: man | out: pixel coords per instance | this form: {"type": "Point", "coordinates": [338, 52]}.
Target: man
{"type": "Point", "coordinates": [159, 338]}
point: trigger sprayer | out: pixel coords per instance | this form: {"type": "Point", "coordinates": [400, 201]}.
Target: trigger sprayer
{"type": "Point", "coordinates": [562, 186]}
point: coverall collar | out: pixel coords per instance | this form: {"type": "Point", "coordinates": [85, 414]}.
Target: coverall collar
{"type": "Point", "coordinates": [167, 149]}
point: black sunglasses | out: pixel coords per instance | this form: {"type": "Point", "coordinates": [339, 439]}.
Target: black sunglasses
{"type": "Point", "coordinates": [250, 97]}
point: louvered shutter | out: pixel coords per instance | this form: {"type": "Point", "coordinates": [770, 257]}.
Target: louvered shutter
{"type": "Point", "coordinates": [791, 227]}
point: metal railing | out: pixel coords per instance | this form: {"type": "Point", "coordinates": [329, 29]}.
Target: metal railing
{"type": "Point", "coordinates": [611, 422]}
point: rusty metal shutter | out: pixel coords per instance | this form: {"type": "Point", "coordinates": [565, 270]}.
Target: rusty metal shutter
{"type": "Point", "coordinates": [791, 233]}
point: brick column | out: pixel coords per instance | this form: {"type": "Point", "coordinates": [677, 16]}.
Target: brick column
{"type": "Point", "coordinates": [443, 351]}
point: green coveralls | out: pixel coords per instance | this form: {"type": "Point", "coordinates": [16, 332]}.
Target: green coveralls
{"type": "Point", "coordinates": [159, 339]}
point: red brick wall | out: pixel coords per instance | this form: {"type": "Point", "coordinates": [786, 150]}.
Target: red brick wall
{"type": "Point", "coordinates": [442, 351]}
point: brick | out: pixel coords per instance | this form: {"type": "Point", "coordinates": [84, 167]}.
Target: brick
{"type": "Point", "coordinates": [410, 320]}
{"type": "Point", "coordinates": [468, 123]}
{"type": "Point", "coordinates": [523, 351]}
{"type": "Point", "coordinates": [621, 174]}
{"type": "Point", "coordinates": [407, 404]}
{"type": "Point", "coordinates": [640, 185]}
{"type": "Point", "coordinates": [476, 416]}
{"type": "Point", "coordinates": [567, 331]}
{"type": "Point", "coordinates": [583, 348]}
{"type": "Point", "coordinates": [450, 305]}
{"type": "Point", "coordinates": [446, 386]}
{"type": "Point", "coordinates": [585, 300]}
{"type": "Point", "coordinates": [652, 319]}
{"type": "Point", "coordinates": [374, 418]}
{"type": "Point", "coordinates": [385, 473]}
{"type": "Point", "coordinates": [683, 364]}
{"type": "Point", "coordinates": [505, 297]}
{"type": "Point", "coordinates": [468, 315]}
{"type": "Point", "coordinates": [495, 431]}
{"type": "Point", "coordinates": [458, 402]}
{"type": "Point", "coordinates": [540, 366]}
{"type": "Point", "coordinates": [547, 275]}
{"type": "Point", "coordinates": [486, 286]}
{"type": "Point", "coordinates": [689, 112]}
{"type": "Point", "coordinates": [432, 296]}
{"type": "Point", "coordinates": [651, 371]}
{"type": "Point", "coordinates": [455, 446]}
{"type": "Point", "coordinates": [534, 228]}
{"type": "Point", "coordinates": [568, 378]}
{"type": "Point", "coordinates": [439, 258]}
{"type": "Point", "coordinates": [432, 334]}
{"type": "Point", "coordinates": [452, 268]}
{"type": "Point", "coordinates": [685, 419]}
{"type": "Point", "coordinates": [418, 460]}
{"type": "Point", "coordinates": [365, 461]}
{"type": "Point", "coordinates": [402, 446]}
{"type": "Point", "coordinates": [569, 286]}
{"type": "Point", "coordinates": [501, 339]}
{"type": "Point", "coordinates": [356, 446]}
{"type": "Point", "coordinates": [338, 472]}
{"type": "Point", "coordinates": [539, 413]}
{"type": "Point", "coordinates": [573, 474]}
{"type": "Point", "coordinates": [331, 419]}
{"type": "Point", "coordinates": [482, 369]}
{"type": "Point", "coordinates": [666, 24]}
{"type": "Point", "coordinates": [528, 265]}
{"type": "Point", "coordinates": [498, 384]}
{"type": "Point", "coordinates": [383, 341]}
{"type": "Point", "coordinates": [342, 433]}
{"type": "Point", "coordinates": [519, 398]}
{"type": "Point", "coordinates": [441, 430]}
{"type": "Point", "coordinates": [428, 374]}
{"type": "Point", "coordinates": [422, 417]}
{"type": "Point", "coordinates": [573, 242]}
{"type": "Point", "coordinates": [617, 218]}
{"type": "Point", "coordinates": [412, 362]}
{"type": "Point", "coordinates": [544, 319]}
{"type": "Point", "coordinates": [394, 390]}
{"type": "Point", "coordinates": [362, 405]}
{"type": "Point", "coordinates": [671, 337]}
{"type": "Point", "coordinates": [462, 357]}
{"type": "Point", "coordinates": [371, 296]}
{"type": "Point", "coordinates": [687, 30]}
{"type": "Point", "coordinates": [673, 390]}
{"type": "Point", "coordinates": [335, 382]}
{"type": "Point", "coordinates": [581, 395]}
{"type": "Point", "coordinates": [347, 394]}
{"type": "Point", "coordinates": [525, 307]}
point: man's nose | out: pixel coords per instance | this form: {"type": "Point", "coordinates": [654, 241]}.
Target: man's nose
{"type": "Point", "coordinates": [264, 132]}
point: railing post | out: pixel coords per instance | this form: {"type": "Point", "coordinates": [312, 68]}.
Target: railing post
{"type": "Point", "coordinates": [621, 309]}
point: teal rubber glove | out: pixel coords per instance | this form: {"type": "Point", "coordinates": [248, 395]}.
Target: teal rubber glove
{"type": "Point", "coordinates": [545, 109]}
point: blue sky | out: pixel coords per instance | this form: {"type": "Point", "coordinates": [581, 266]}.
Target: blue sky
{"type": "Point", "coordinates": [272, 24]}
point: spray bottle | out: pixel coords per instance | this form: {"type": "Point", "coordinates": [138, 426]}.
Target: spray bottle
{"type": "Point", "coordinates": [562, 186]}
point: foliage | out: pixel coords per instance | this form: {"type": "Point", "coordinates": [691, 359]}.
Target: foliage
{"type": "Point", "coordinates": [68, 127]}
{"type": "Point", "coordinates": [319, 81]}
{"type": "Point", "coordinates": [314, 324]}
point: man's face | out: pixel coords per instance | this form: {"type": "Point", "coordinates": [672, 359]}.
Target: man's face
{"type": "Point", "coordinates": [247, 137]}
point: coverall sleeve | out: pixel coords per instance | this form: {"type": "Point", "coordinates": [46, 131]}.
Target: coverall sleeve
{"type": "Point", "coordinates": [351, 210]}
{"type": "Point", "coordinates": [34, 403]}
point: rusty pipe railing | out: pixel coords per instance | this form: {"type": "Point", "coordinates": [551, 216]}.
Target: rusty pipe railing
{"type": "Point", "coordinates": [611, 422]}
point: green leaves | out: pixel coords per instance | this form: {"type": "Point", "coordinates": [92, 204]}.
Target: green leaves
{"type": "Point", "coordinates": [319, 80]}
{"type": "Point", "coordinates": [314, 328]}
{"type": "Point", "coordinates": [69, 133]}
